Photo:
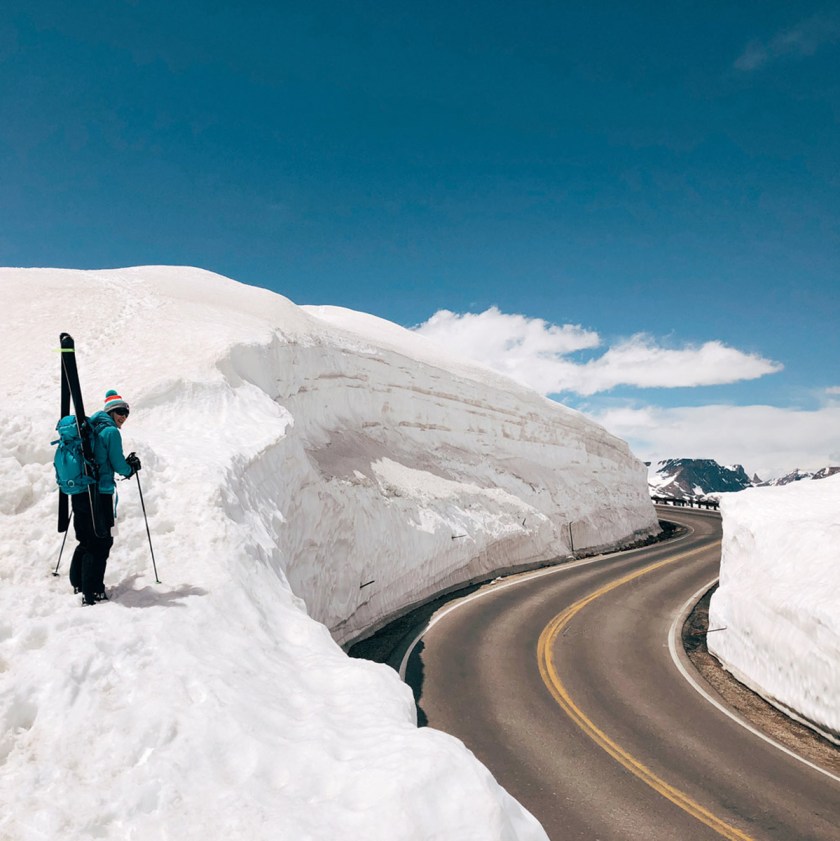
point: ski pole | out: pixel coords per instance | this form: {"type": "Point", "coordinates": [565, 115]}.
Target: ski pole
{"type": "Point", "coordinates": [143, 506]}
{"type": "Point", "coordinates": [60, 551]}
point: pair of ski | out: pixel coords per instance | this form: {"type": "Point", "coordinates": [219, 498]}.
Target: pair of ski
{"type": "Point", "coordinates": [71, 391]}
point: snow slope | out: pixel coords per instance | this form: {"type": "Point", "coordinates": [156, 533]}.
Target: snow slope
{"type": "Point", "coordinates": [778, 598]}
{"type": "Point", "coordinates": [307, 473]}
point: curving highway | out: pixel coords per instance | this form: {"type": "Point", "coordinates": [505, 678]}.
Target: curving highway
{"type": "Point", "coordinates": [564, 685]}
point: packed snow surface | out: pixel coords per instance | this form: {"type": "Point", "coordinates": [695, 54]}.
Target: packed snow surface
{"type": "Point", "coordinates": [778, 597]}
{"type": "Point", "coordinates": [307, 473]}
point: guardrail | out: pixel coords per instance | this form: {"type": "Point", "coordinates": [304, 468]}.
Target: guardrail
{"type": "Point", "coordinates": [687, 503]}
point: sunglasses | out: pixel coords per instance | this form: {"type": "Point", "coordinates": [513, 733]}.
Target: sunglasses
{"type": "Point", "coordinates": [123, 413]}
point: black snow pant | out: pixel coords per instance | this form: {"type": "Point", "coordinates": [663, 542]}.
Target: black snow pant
{"type": "Point", "coordinates": [87, 569]}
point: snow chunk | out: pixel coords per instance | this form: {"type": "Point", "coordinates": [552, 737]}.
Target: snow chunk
{"type": "Point", "coordinates": [780, 575]}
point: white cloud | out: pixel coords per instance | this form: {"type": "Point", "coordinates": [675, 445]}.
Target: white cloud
{"type": "Point", "coordinates": [767, 440]}
{"type": "Point", "coordinates": [535, 353]}
{"type": "Point", "coordinates": [500, 334]}
{"type": "Point", "coordinates": [640, 362]}
{"type": "Point", "coordinates": [833, 390]}
{"type": "Point", "coordinates": [802, 40]}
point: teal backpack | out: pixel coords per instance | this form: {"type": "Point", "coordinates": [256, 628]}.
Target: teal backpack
{"type": "Point", "coordinates": [69, 460]}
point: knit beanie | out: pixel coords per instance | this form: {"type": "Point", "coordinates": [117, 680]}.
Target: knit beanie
{"type": "Point", "coordinates": [114, 401]}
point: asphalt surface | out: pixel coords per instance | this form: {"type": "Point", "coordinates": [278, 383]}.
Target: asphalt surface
{"type": "Point", "coordinates": [563, 684]}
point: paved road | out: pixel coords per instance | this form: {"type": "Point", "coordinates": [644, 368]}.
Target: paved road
{"type": "Point", "coordinates": [564, 686]}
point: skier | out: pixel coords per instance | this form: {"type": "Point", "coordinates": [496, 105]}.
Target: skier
{"type": "Point", "coordinates": [87, 569]}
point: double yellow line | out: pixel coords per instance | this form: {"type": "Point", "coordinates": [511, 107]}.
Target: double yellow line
{"type": "Point", "coordinates": [561, 695]}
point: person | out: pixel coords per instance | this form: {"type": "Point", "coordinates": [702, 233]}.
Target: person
{"type": "Point", "coordinates": [90, 558]}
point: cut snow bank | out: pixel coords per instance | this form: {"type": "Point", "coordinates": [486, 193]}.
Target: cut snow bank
{"type": "Point", "coordinates": [303, 470]}
{"type": "Point", "coordinates": [779, 580]}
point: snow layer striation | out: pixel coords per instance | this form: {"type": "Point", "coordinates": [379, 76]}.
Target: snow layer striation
{"type": "Point", "coordinates": [307, 472]}
{"type": "Point", "coordinates": [777, 600]}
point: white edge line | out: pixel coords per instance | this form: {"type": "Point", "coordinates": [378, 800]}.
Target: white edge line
{"type": "Point", "coordinates": [679, 621]}
{"type": "Point", "coordinates": [520, 577]}
{"type": "Point", "coordinates": [485, 590]}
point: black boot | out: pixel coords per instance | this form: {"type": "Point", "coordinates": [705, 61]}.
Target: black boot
{"type": "Point", "coordinates": [88, 578]}
{"type": "Point", "coordinates": [76, 569]}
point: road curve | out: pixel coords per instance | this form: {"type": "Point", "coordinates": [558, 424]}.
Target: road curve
{"type": "Point", "coordinates": [564, 686]}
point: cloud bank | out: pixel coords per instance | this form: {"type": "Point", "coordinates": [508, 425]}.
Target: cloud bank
{"type": "Point", "coordinates": [767, 440]}
{"type": "Point", "coordinates": [537, 354]}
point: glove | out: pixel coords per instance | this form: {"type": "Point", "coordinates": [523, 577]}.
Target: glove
{"type": "Point", "coordinates": [133, 462]}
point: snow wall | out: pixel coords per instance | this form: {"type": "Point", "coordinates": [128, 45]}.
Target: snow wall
{"type": "Point", "coordinates": [299, 464]}
{"type": "Point", "coordinates": [778, 598]}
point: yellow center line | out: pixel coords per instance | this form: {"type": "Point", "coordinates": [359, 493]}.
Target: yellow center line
{"type": "Point", "coordinates": [561, 695]}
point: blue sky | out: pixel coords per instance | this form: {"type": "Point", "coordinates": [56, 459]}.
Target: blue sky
{"type": "Point", "coordinates": [664, 176]}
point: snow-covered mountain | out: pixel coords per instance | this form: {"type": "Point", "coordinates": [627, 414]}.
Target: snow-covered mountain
{"type": "Point", "coordinates": [777, 605]}
{"type": "Point", "coordinates": [693, 478]}
{"type": "Point", "coordinates": [308, 473]}
{"type": "Point", "coordinates": [800, 475]}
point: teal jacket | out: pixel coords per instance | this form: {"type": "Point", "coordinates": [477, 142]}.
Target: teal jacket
{"type": "Point", "coordinates": [107, 451]}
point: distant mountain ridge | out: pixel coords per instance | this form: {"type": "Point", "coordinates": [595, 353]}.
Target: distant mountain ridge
{"type": "Point", "coordinates": [695, 478]}
{"type": "Point", "coordinates": [799, 475]}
